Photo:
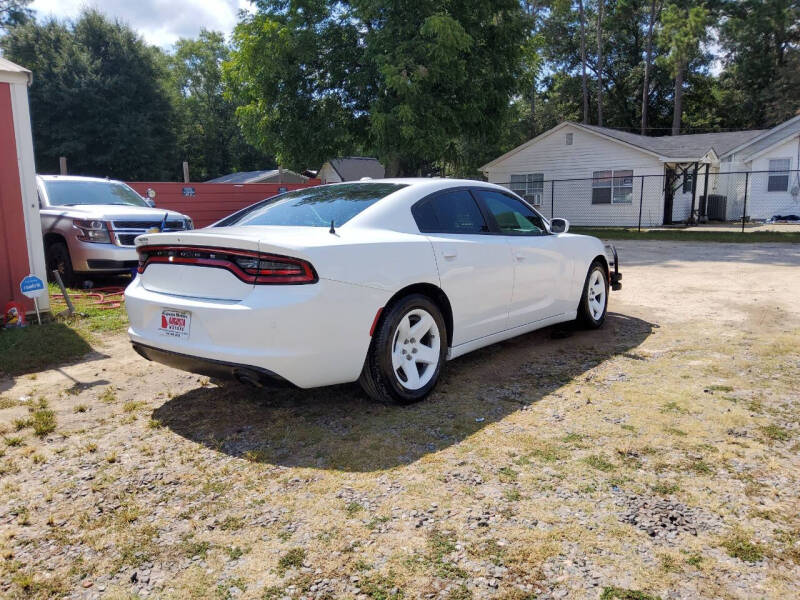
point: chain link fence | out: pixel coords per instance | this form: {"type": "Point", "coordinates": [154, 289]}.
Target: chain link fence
{"type": "Point", "coordinates": [621, 199]}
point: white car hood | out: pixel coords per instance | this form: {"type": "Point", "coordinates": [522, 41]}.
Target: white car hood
{"type": "Point", "coordinates": [107, 212]}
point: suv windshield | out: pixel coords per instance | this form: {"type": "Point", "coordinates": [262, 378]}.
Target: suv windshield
{"type": "Point", "coordinates": [69, 193]}
{"type": "Point", "coordinates": [314, 207]}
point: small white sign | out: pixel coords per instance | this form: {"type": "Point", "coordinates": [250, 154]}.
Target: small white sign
{"type": "Point", "coordinates": [175, 323]}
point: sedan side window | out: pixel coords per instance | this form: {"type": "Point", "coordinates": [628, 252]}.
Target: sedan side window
{"type": "Point", "coordinates": [450, 212]}
{"type": "Point", "coordinates": [512, 216]}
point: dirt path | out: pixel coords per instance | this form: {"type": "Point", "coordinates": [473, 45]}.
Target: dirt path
{"type": "Point", "coordinates": [661, 453]}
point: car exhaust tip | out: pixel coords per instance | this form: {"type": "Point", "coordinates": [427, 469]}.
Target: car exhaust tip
{"type": "Point", "coordinates": [248, 378]}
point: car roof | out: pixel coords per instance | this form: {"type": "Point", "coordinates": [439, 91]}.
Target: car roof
{"type": "Point", "coordinates": [76, 178]}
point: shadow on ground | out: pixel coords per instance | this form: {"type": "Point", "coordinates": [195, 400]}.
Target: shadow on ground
{"type": "Point", "coordinates": [339, 428]}
{"type": "Point", "coordinates": [39, 347]}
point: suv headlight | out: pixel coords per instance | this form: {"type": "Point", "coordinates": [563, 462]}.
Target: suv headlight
{"type": "Point", "coordinates": [92, 231]}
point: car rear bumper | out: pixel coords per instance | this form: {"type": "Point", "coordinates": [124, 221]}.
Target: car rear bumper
{"type": "Point", "coordinates": [212, 368]}
{"type": "Point", "coordinates": [309, 335]}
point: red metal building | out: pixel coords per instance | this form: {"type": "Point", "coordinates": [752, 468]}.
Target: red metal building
{"type": "Point", "coordinates": [21, 248]}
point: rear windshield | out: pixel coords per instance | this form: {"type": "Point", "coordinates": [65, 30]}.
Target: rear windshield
{"type": "Point", "coordinates": [70, 193]}
{"type": "Point", "coordinates": [314, 207]}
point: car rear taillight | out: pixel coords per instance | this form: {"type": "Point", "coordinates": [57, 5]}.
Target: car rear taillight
{"type": "Point", "coordinates": [251, 267]}
{"type": "Point", "coordinates": [269, 268]}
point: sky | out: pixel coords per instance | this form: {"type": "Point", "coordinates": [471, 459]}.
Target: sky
{"type": "Point", "coordinates": [159, 22]}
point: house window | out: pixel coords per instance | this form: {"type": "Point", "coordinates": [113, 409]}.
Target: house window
{"type": "Point", "coordinates": [569, 139]}
{"type": "Point", "coordinates": [623, 187]}
{"type": "Point", "coordinates": [688, 177]}
{"type": "Point", "coordinates": [529, 186]}
{"type": "Point", "coordinates": [601, 187]}
{"type": "Point", "coordinates": [778, 174]}
{"type": "Point", "coordinates": [612, 187]}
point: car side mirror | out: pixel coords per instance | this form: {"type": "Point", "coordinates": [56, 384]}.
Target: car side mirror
{"type": "Point", "coordinates": [559, 226]}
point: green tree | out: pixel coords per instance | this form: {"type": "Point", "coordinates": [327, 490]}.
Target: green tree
{"type": "Point", "coordinates": [446, 75]}
{"type": "Point", "coordinates": [761, 40]}
{"type": "Point", "coordinates": [98, 97]}
{"type": "Point", "coordinates": [14, 12]}
{"type": "Point", "coordinates": [209, 137]}
{"type": "Point", "coordinates": [426, 85]}
{"type": "Point", "coordinates": [683, 29]}
{"type": "Point", "coordinates": [298, 75]}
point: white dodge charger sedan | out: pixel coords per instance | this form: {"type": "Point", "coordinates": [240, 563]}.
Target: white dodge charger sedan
{"type": "Point", "coordinates": [379, 282]}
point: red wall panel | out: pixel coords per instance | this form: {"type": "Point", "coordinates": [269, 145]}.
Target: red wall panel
{"type": "Point", "coordinates": [14, 262]}
{"type": "Point", "coordinates": [211, 202]}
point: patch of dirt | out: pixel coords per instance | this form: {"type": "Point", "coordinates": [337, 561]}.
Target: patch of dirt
{"type": "Point", "coordinates": [537, 468]}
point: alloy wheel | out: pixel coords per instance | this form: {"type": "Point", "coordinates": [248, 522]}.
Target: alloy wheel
{"type": "Point", "coordinates": [416, 348]}
{"type": "Point", "coordinates": [596, 294]}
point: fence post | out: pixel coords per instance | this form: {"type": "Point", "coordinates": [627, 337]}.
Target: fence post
{"type": "Point", "coordinates": [744, 208]}
{"type": "Point", "coordinates": [641, 200]}
{"type": "Point", "coordinates": [552, 199]}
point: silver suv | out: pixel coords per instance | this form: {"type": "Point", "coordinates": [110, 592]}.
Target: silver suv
{"type": "Point", "coordinates": [89, 225]}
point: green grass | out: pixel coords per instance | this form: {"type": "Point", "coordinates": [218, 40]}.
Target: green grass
{"type": "Point", "coordinates": [43, 422]}
{"type": "Point", "coordinates": [60, 340]}
{"type": "Point", "coordinates": [689, 235]}
{"type": "Point", "coordinates": [91, 317]}
{"type": "Point", "coordinates": [615, 593]}
{"type": "Point", "coordinates": [738, 546]}
{"type": "Point", "coordinates": [776, 433]}
{"type": "Point", "coordinates": [292, 559]}
{"type": "Point", "coordinates": [600, 463]}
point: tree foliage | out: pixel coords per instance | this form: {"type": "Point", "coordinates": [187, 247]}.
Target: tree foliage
{"type": "Point", "coordinates": [424, 84]}
{"type": "Point", "coordinates": [208, 135]}
{"type": "Point", "coordinates": [427, 86]}
{"type": "Point", "coordinates": [98, 98]}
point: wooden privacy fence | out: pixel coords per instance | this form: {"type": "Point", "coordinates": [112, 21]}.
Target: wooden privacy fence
{"type": "Point", "coordinates": [206, 203]}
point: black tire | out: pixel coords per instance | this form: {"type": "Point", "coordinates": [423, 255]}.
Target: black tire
{"type": "Point", "coordinates": [378, 378]}
{"type": "Point", "coordinates": [585, 317]}
{"type": "Point", "coordinates": [57, 259]}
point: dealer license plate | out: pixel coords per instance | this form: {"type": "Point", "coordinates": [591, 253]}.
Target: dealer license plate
{"type": "Point", "coordinates": [175, 323]}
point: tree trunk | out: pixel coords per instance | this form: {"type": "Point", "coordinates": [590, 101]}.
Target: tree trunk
{"type": "Point", "coordinates": [649, 59]}
{"type": "Point", "coordinates": [600, 62]}
{"type": "Point", "coordinates": [678, 109]}
{"type": "Point", "coordinates": [584, 85]}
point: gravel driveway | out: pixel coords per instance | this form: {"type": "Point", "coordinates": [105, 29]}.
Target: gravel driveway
{"type": "Point", "coordinates": [659, 455]}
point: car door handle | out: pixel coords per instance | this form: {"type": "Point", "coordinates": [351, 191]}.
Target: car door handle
{"type": "Point", "coordinates": [519, 256]}
{"type": "Point", "coordinates": [449, 253]}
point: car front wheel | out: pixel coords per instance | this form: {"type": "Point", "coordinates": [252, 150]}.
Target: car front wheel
{"type": "Point", "coordinates": [594, 301]}
{"type": "Point", "coordinates": [407, 352]}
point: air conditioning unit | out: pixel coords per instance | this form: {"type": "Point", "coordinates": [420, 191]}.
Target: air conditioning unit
{"type": "Point", "coordinates": [717, 208]}
{"type": "Point", "coordinates": [534, 198]}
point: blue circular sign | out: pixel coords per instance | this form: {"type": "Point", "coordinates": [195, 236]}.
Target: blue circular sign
{"type": "Point", "coordinates": [31, 286]}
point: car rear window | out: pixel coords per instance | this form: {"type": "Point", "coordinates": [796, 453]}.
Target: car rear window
{"type": "Point", "coordinates": [450, 212]}
{"type": "Point", "coordinates": [314, 207]}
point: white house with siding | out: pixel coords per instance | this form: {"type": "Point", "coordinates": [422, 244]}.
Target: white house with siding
{"type": "Point", "coordinates": [600, 176]}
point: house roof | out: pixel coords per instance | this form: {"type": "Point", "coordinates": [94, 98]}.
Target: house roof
{"type": "Point", "coordinates": [668, 148]}
{"type": "Point", "coordinates": [353, 168]}
{"type": "Point", "coordinates": [693, 145]}
{"type": "Point", "coordinates": [249, 176]}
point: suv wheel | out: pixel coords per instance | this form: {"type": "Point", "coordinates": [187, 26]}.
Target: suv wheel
{"type": "Point", "coordinates": [407, 352]}
{"type": "Point", "coordinates": [57, 259]}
